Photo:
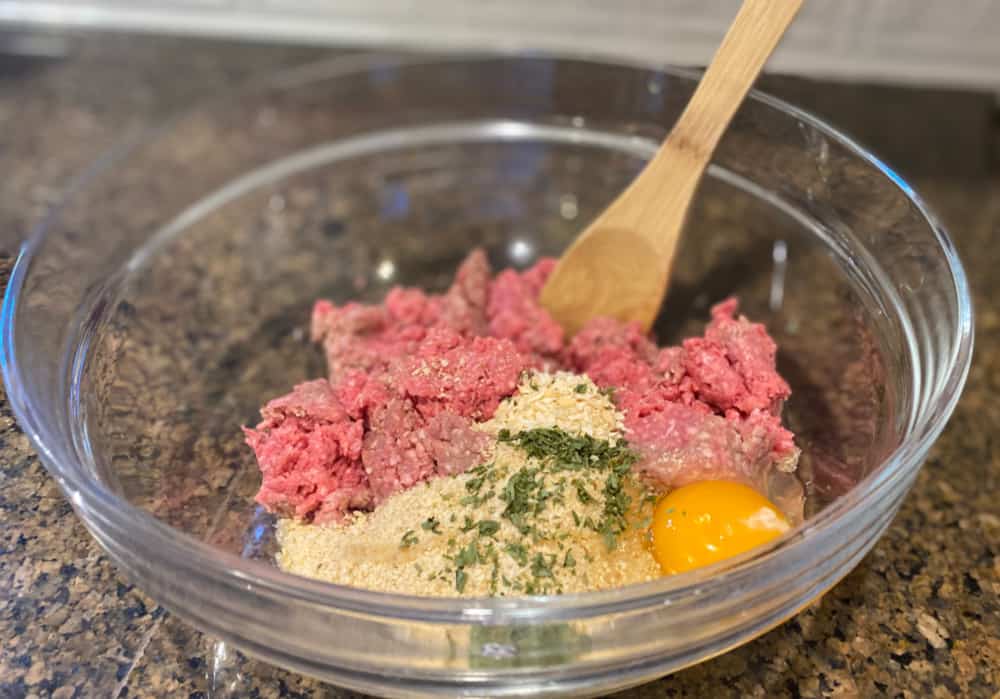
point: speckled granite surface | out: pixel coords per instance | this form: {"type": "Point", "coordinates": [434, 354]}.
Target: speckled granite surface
{"type": "Point", "coordinates": [919, 617]}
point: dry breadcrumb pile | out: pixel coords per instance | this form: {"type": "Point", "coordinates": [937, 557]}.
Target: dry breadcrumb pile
{"type": "Point", "coordinates": [555, 510]}
{"type": "Point", "coordinates": [569, 401]}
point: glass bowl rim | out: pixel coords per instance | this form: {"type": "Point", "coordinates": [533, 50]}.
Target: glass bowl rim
{"type": "Point", "coordinates": [96, 503]}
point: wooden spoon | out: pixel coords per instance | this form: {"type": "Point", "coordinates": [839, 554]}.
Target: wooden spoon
{"type": "Point", "coordinates": [620, 265]}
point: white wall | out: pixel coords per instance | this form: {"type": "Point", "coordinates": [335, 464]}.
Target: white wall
{"type": "Point", "coordinates": [938, 42]}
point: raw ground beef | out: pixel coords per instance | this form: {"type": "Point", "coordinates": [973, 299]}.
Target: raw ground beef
{"type": "Point", "coordinates": [331, 446]}
{"type": "Point", "coordinates": [309, 451]}
{"type": "Point", "coordinates": [402, 448]}
{"type": "Point", "coordinates": [409, 378]}
{"type": "Point", "coordinates": [709, 409]}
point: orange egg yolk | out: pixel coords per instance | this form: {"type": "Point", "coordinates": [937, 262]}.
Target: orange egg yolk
{"type": "Point", "coordinates": [706, 522]}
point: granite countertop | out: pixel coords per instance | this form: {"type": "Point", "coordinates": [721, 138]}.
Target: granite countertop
{"type": "Point", "coordinates": [919, 617]}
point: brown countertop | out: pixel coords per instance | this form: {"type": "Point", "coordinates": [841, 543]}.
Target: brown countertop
{"type": "Point", "coordinates": [919, 617]}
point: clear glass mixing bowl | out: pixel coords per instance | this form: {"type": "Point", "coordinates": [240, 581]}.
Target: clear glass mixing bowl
{"type": "Point", "coordinates": [168, 297]}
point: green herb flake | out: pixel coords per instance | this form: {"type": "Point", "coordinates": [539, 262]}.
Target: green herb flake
{"type": "Point", "coordinates": [488, 527]}
{"type": "Point", "coordinates": [610, 538]}
{"type": "Point", "coordinates": [468, 556]}
{"type": "Point", "coordinates": [541, 568]}
{"type": "Point", "coordinates": [474, 485]}
{"type": "Point", "coordinates": [431, 525]}
{"type": "Point", "coordinates": [581, 388]}
{"type": "Point", "coordinates": [568, 560]}
{"type": "Point", "coordinates": [518, 552]}
{"type": "Point", "coordinates": [409, 539]}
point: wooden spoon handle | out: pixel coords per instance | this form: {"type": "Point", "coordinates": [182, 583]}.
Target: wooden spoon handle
{"type": "Point", "coordinates": [748, 44]}
{"type": "Point", "coordinates": [657, 201]}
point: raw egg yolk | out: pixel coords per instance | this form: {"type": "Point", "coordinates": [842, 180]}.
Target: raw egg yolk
{"type": "Point", "coordinates": [705, 522]}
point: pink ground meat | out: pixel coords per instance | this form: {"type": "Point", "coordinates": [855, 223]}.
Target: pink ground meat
{"type": "Point", "coordinates": [460, 375]}
{"type": "Point", "coordinates": [706, 410]}
{"type": "Point", "coordinates": [514, 313]}
{"type": "Point", "coordinates": [402, 448]}
{"type": "Point", "coordinates": [309, 451]}
{"type": "Point", "coordinates": [408, 379]}
{"type": "Point", "coordinates": [335, 445]}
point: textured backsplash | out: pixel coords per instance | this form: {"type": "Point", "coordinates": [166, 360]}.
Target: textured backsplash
{"type": "Point", "coordinates": [938, 42]}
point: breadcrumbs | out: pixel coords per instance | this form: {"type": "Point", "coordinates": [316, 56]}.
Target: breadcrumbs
{"type": "Point", "coordinates": [556, 510]}
{"type": "Point", "coordinates": [571, 402]}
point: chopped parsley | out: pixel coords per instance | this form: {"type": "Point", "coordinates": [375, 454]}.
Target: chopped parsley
{"type": "Point", "coordinates": [518, 552]}
{"type": "Point", "coordinates": [488, 527]}
{"type": "Point", "coordinates": [468, 556]}
{"type": "Point", "coordinates": [541, 567]}
{"type": "Point", "coordinates": [507, 525]}
{"type": "Point", "coordinates": [475, 485]}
